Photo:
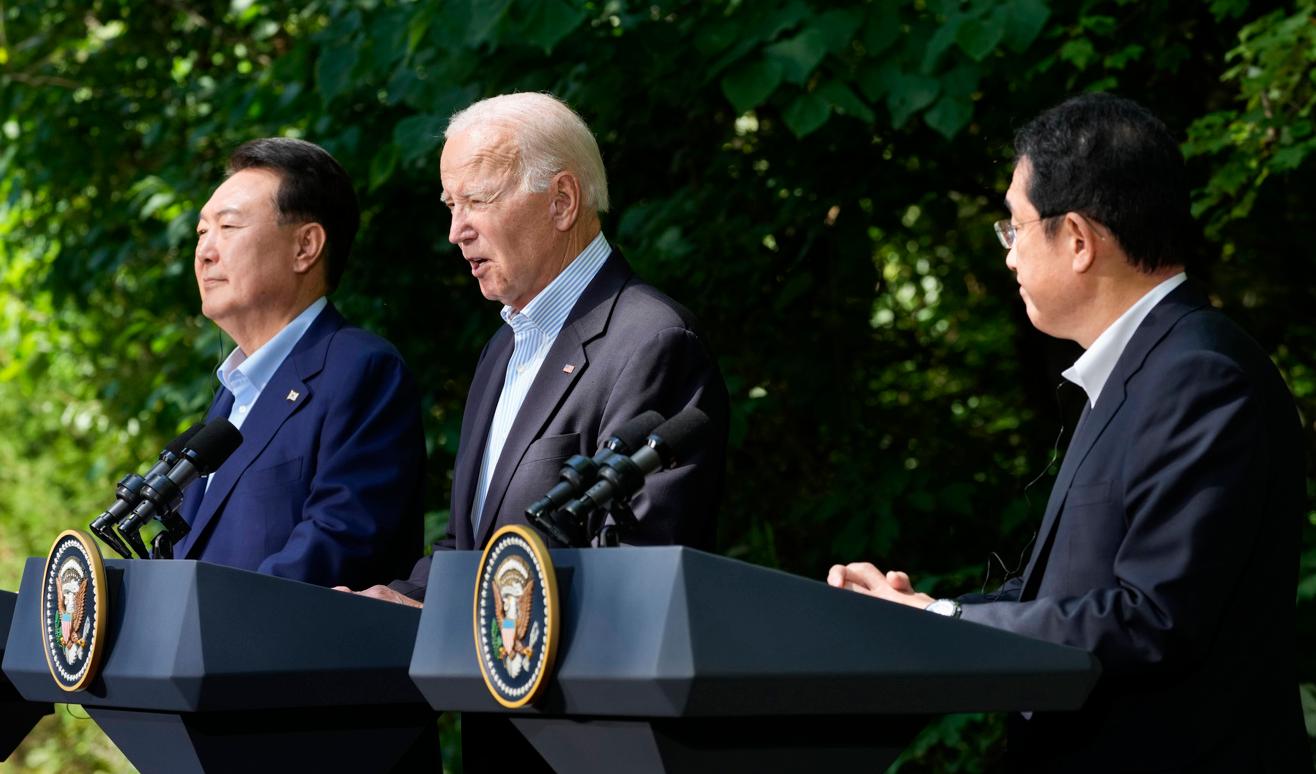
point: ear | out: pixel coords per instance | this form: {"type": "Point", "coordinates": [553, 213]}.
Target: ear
{"type": "Point", "coordinates": [310, 247]}
{"type": "Point", "coordinates": [565, 203]}
{"type": "Point", "coordinates": [1080, 241]}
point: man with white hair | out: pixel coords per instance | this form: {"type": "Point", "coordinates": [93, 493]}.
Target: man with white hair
{"type": "Point", "coordinates": [586, 347]}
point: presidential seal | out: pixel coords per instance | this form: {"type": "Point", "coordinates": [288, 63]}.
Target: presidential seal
{"type": "Point", "coordinates": [516, 615]}
{"type": "Point", "coordinates": [73, 610]}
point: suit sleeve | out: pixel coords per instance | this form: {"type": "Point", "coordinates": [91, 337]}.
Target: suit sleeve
{"type": "Point", "coordinates": [361, 522]}
{"type": "Point", "coordinates": [1194, 472]}
{"type": "Point", "coordinates": [666, 374]}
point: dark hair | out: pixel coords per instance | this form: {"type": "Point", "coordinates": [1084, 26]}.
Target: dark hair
{"type": "Point", "coordinates": [1109, 159]}
{"type": "Point", "coordinates": [313, 188]}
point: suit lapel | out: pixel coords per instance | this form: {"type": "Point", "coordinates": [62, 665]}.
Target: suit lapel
{"type": "Point", "coordinates": [285, 394]}
{"type": "Point", "coordinates": [481, 401]}
{"type": "Point", "coordinates": [1153, 329]}
{"type": "Point", "coordinates": [587, 321]}
{"type": "Point", "coordinates": [219, 408]}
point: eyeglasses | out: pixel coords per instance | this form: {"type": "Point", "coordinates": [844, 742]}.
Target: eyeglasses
{"type": "Point", "coordinates": [1006, 230]}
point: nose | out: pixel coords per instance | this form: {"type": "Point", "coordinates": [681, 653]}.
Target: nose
{"type": "Point", "coordinates": [206, 252]}
{"type": "Point", "coordinates": [460, 230]}
{"type": "Point", "coordinates": [1011, 261]}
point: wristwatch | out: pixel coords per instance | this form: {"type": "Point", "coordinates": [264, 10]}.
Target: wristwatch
{"type": "Point", "coordinates": [947, 607]}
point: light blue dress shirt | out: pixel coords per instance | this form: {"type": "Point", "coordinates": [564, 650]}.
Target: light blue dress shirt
{"type": "Point", "coordinates": [534, 329]}
{"type": "Point", "coordinates": [246, 375]}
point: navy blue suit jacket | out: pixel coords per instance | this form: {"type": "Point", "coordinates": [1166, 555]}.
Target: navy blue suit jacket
{"type": "Point", "coordinates": [326, 487]}
{"type": "Point", "coordinates": [1169, 548]}
{"type": "Point", "coordinates": [630, 349]}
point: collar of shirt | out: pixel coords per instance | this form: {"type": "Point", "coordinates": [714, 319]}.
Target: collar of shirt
{"type": "Point", "coordinates": [548, 310]}
{"type": "Point", "coordinates": [1093, 368]}
{"type": "Point", "coordinates": [241, 372]}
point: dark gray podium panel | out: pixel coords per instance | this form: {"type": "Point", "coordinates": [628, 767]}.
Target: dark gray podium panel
{"type": "Point", "coordinates": [17, 715]}
{"type": "Point", "coordinates": [208, 666]}
{"type": "Point", "coordinates": [675, 659]}
{"type": "Point", "coordinates": [674, 632]}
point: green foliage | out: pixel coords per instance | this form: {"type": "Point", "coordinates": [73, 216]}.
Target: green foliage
{"type": "Point", "coordinates": [816, 180]}
{"type": "Point", "coordinates": [1270, 132]}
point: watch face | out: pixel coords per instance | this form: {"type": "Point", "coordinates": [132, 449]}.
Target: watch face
{"type": "Point", "coordinates": [943, 607]}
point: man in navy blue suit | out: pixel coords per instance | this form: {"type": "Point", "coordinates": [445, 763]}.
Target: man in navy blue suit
{"type": "Point", "coordinates": [326, 486]}
{"type": "Point", "coordinates": [1169, 546]}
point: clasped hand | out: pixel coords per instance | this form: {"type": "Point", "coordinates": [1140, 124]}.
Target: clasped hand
{"type": "Point", "coordinates": [863, 577]}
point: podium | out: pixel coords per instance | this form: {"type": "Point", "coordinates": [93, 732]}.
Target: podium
{"type": "Point", "coordinates": [210, 668]}
{"type": "Point", "coordinates": [17, 715]}
{"type": "Point", "coordinates": [673, 659]}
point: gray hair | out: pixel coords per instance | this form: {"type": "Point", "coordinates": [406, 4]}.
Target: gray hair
{"type": "Point", "coordinates": [551, 138]}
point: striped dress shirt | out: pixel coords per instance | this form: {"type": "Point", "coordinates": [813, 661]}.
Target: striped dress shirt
{"type": "Point", "coordinates": [534, 329]}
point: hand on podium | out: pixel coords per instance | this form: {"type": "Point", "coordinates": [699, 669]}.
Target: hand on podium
{"type": "Point", "coordinates": [384, 593]}
{"type": "Point", "coordinates": [863, 577]}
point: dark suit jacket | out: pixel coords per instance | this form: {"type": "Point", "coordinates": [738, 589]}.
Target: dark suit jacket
{"type": "Point", "coordinates": [1169, 549]}
{"type": "Point", "coordinates": [326, 487]}
{"type": "Point", "coordinates": [632, 350]}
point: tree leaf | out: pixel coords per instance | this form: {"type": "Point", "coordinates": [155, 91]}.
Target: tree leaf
{"type": "Point", "coordinates": [909, 94]}
{"type": "Point", "coordinates": [333, 71]}
{"type": "Point", "coordinates": [799, 55]}
{"type": "Point", "coordinates": [838, 27]}
{"type": "Point", "coordinates": [949, 116]}
{"type": "Point", "coordinates": [485, 16]}
{"type": "Point", "coordinates": [382, 165]}
{"type": "Point", "coordinates": [979, 37]}
{"type": "Point", "coordinates": [881, 28]}
{"type": "Point", "coordinates": [806, 114]}
{"type": "Point", "coordinates": [547, 22]}
{"type": "Point", "coordinates": [875, 79]}
{"type": "Point", "coordinates": [940, 41]}
{"type": "Point", "coordinates": [418, 135]}
{"type": "Point", "coordinates": [1024, 23]}
{"type": "Point", "coordinates": [748, 84]}
{"type": "Point", "coordinates": [844, 100]}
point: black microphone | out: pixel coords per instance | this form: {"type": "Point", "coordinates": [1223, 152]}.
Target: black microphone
{"type": "Point", "coordinates": [621, 476]}
{"type": "Point", "coordinates": [162, 493]}
{"type": "Point", "coordinates": [580, 471]}
{"type": "Point", "coordinates": [127, 493]}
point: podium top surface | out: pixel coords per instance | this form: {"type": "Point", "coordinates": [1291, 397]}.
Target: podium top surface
{"type": "Point", "coordinates": [192, 636]}
{"type": "Point", "coordinates": [671, 631]}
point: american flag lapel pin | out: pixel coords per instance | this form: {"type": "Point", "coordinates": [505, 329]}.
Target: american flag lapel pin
{"type": "Point", "coordinates": [293, 395]}
{"type": "Point", "coordinates": [568, 368]}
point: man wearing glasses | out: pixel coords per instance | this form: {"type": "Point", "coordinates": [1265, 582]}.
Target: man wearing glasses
{"type": "Point", "coordinates": [1169, 546]}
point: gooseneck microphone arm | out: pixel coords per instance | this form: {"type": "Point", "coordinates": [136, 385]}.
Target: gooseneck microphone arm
{"type": "Point", "coordinates": [579, 473]}
{"type": "Point", "coordinates": [162, 493]}
{"type": "Point", "coordinates": [620, 477]}
{"type": "Point", "coordinates": [127, 494]}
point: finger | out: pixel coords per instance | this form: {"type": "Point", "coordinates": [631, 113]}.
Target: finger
{"type": "Point", "coordinates": [836, 576]}
{"type": "Point", "coordinates": [899, 581]}
{"type": "Point", "coordinates": [866, 573]}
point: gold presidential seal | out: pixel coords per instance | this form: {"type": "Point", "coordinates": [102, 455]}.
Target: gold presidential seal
{"type": "Point", "coordinates": [73, 610]}
{"type": "Point", "coordinates": [516, 615]}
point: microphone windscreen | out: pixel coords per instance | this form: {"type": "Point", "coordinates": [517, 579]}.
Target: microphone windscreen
{"type": "Point", "coordinates": [213, 444]}
{"type": "Point", "coordinates": [682, 434]}
{"type": "Point", "coordinates": [177, 445]}
{"type": "Point", "coordinates": [631, 435]}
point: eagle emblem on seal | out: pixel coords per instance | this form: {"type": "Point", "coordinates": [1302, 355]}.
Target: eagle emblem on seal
{"type": "Point", "coordinates": [73, 623]}
{"type": "Point", "coordinates": [513, 594]}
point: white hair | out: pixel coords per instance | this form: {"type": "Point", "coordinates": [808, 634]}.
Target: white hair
{"type": "Point", "coordinates": [551, 138]}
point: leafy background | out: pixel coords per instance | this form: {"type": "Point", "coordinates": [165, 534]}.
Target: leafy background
{"type": "Point", "coordinates": [816, 180]}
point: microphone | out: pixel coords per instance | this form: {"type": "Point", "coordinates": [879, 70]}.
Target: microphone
{"type": "Point", "coordinates": [621, 476]}
{"type": "Point", "coordinates": [579, 472]}
{"type": "Point", "coordinates": [162, 493]}
{"type": "Point", "coordinates": [127, 493]}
